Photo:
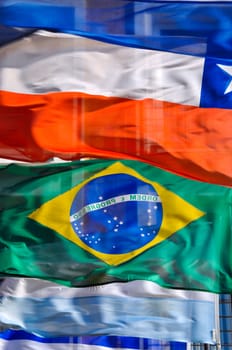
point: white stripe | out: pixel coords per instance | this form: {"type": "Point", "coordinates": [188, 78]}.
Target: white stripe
{"type": "Point", "coordinates": [25, 288]}
{"type": "Point", "coordinates": [138, 197]}
{"type": "Point", "coordinates": [46, 62]}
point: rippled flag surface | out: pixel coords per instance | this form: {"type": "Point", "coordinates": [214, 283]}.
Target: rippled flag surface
{"type": "Point", "coordinates": [198, 28]}
{"type": "Point", "coordinates": [90, 222]}
{"type": "Point", "coordinates": [161, 95]}
{"type": "Point", "coordinates": [21, 340]}
{"type": "Point", "coordinates": [40, 307]}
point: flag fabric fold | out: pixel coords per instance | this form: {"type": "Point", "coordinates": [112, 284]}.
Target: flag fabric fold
{"type": "Point", "coordinates": [58, 97]}
{"type": "Point", "coordinates": [199, 28]}
{"type": "Point", "coordinates": [22, 340]}
{"type": "Point", "coordinates": [10, 34]}
{"type": "Point", "coordinates": [98, 221]}
{"type": "Point", "coordinates": [140, 308]}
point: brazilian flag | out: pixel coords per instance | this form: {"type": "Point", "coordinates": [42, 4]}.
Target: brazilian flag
{"type": "Point", "coordinates": [99, 221]}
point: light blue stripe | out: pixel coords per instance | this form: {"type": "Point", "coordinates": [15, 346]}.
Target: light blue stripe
{"type": "Point", "coordinates": [195, 28]}
{"type": "Point", "coordinates": [187, 321]}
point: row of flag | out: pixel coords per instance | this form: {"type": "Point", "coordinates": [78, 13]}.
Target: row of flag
{"type": "Point", "coordinates": [128, 248]}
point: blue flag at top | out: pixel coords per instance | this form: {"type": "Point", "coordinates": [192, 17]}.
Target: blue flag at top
{"type": "Point", "coordinates": [200, 28]}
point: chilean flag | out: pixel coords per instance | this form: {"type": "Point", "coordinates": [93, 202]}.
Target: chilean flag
{"type": "Point", "coordinates": [151, 81]}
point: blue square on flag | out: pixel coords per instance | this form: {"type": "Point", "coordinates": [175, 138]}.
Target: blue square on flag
{"type": "Point", "coordinates": [217, 84]}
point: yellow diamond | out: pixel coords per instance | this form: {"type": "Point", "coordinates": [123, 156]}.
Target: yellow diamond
{"type": "Point", "coordinates": [177, 213]}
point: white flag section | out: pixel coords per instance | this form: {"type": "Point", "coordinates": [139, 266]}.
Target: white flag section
{"type": "Point", "coordinates": [21, 340]}
{"type": "Point", "coordinates": [46, 62]}
{"type": "Point", "coordinates": [140, 308]}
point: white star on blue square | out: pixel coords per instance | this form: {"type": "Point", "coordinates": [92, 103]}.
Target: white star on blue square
{"type": "Point", "coordinates": [217, 84]}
